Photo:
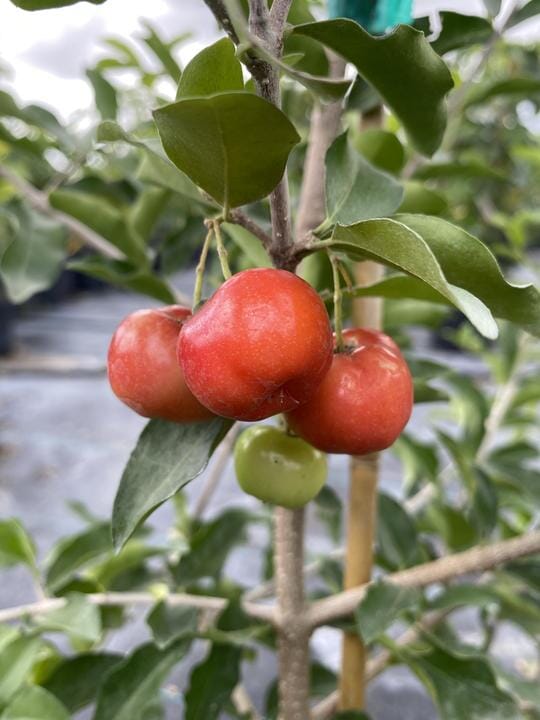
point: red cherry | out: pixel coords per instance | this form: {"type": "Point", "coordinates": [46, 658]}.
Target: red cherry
{"type": "Point", "coordinates": [364, 401]}
{"type": "Point", "coordinates": [143, 369]}
{"type": "Point", "coordinates": [258, 347]}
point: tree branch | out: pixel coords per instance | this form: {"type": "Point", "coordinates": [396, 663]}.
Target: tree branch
{"type": "Point", "coordinates": [476, 559]}
{"type": "Point", "coordinates": [121, 599]}
{"type": "Point", "coordinates": [40, 201]}
{"type": "Point", "coordinates": [278, 18]}
{"type": "Point", "coordinates": [239, 218]}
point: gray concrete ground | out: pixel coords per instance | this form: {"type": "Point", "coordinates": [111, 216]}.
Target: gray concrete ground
{"type": "Point", "coordinates": [65, 437]}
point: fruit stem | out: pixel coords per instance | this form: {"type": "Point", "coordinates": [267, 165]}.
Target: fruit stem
{"type": "Point", "coordinates": [338, 297]}
{"type": "Point", "coordinates": [222, 252]}
{"type": "Point", "coordinates": [199, 273]}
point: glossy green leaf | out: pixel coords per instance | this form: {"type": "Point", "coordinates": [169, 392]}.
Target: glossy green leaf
{"type": "Point", "coordinates": [47, 4]}
{"type": "Point", "coordinates": [381, 148]}
{"type": "Point", "coordinates": [407, 311]}
{"type": "Point", "coordinates": [33, 255]}
{"type": "Point", "coordinates": [355, 190]}
{"type": "Point", "coordinates": [212, 683]}
{"type": "Point", "coordinates": [172, 454]}
{"type": "Point", "coordinates": [78, 618]}
{"type": "Point", "coordinates": [170, 622]}
{"type": "Point", "coordinates": [215, 69]}
{"type": "Point", "coordinates": [468, 262]}
{"type": "Point", "coordinates": [75, 682]}
{"type": "Point", "coordinates": [125, 275]}
{"type": "Point", "coordinates": [516, 87]}
{"type": "Point", "coordinates": [463, 687]}
{"type": "Point", "coordinates": [459, 31]}
{"type": "Point", "coordinates": [211, 544]}
{"type": "Point", "coordinates": [394, 244]}
{"type": "Point", "coordinates": [147, 210]}
{"type": "Point", "coordinates": [75, 552]}
{"type": "Point", "coordinates": [400, 286]}
{"type": "Point", "coordinates": [134, 683]}
{"type": "Point", "coordinates": [233, 145]}
{"type": "Point", "coordinates": [102, 217]}
{"type": "Point", "coordinates": [16, 546]}
{"type": "Point", "coordinates": [420, 199]}
{"type": "Point", "coordinates": [402, 67]}
{"type": "Point", "coordinates": [35, 703]}
{"type": "Point", "coordinates": [419, 460]}
{"type": "Point", "coordinates": [250, 246]}
{"type": "Point", "coordinates": [16, 661]}
{"type": "Point", "coordinates": [381, 606]}
{"type": "Point", "coordinates": [528, 10]}
{"type": "Point", "coordinates": [397, 539]}
{"type": "Point", "coordinates": [105, 95]}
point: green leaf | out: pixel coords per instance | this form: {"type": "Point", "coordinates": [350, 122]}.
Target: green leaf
{"type": "Point", "coordinates": [75, 552]}
{"type": "Point", "coordinates": [402, 67]}
{"type": "Point", "coordinates": [16, 546]}
{"type": "Point", "coordinates": [355, 190]}
{"type": "Point", "coordinates": [233, 145]}
{"type": "Point", "coordinates": [458, 31]}
{"type": "Point", "coordinates": [78, 618]}
{"type": "Point", "coordinates": [154, 168]}
{"type": "Point", "coordinates": [400, 286]}
{"type": "Point", "coordinates": [394, 244]}
{"type": "Point", "coordinates": [516, 87]}
{"type": "Point", "coordinates": [211, 544]}
{"type": "Point", "coordinates": [125, 275]}
{"type": "Point", "coordinates": [459, 169]}
{"type": "Point", "coordinates": [407, 311]}
{"type": "Point", "coordinates": [463, 687]}
{"type": "Point", "coordinates": [35, 703]}
{"type": "Point", "coordinates": [526, 692]}
{"type": "Point", "coordinates": [381, 148]}
{"type": "Point", "coordinates": [381, 606]}
{"type": "Point", "coordinates": [171, 454]}
{"type": "Point", "coordinates": [397, 539]}
{"type": "Point", "coordinates": [33, 257]}
{"type": "Point", "coordinates": [102, 217]}
{"type": "Point", "coordinates": [16, 661]}
{"type": "Point", "coordinates": [215, 69]}
{"type": "Point", "coordinates": [47, 4]}
{"type": "Point", "coordinates": [105, 95]}
{"type": "Point", "coordinates": [420, 199]}
{"type": "Point", "coordinates": [329, 509]}
{"type": "Point", "coordinates": [135, 683]}
{"type": "Point", "coordinates": [147, 210]}
{"type": "Point", "coordinates": [75, 682]}
{"type": "Point", "coordinates": [212, 683]}
{"type": "Point", "coordinates": [170, 622]}
{"type": "Point", "coordinates": [420, 461]}
{"type": "Point", "coordinates": [464, 594]}
{"type": "Point", "coordinates": [162, 51]}
{"type": "Point", "coordinates": [529, 10]}
{"type": "Point", "coordinates": [248, 244]}
{"type": "Point", "coordinates": [468, 262]}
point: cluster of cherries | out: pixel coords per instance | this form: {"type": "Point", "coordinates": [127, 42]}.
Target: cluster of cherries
{"type": "Point", "coordinates": [263, 345]}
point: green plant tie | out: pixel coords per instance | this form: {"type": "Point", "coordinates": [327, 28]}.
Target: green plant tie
{"type": "Point", "coordinates": [376, 16]}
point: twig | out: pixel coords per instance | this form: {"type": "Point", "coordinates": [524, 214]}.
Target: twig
{"type": "Point", "coordinates": [239, 218]}
{"type": "Point", "coordinates": [243, 704]}
{"type": "Point", "coordinates": [40, 201]}
{"type": "Point", "coordinates": [221, 458]}
{"type": "Point", "coordinates": [476, 559]}
{"type": "Point", "coordinates": [121, 599]}
{"type": "Point", "coordinates": [278, 18]}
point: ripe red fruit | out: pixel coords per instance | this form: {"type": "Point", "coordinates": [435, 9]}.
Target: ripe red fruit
{"type": "Point", "coordinates": [258, 347]}
{"type": "Point", "coordinates": [143, 369]}
{"type": "Point", "coordinates": [364, 401]}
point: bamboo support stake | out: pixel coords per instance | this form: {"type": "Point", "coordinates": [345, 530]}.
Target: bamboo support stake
{"type": "Point", "coordinates": [362, 509]}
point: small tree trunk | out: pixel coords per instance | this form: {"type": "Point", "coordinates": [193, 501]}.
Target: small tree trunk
{"type": "Point", "coordinates": [361, 516]}
{"type": "Point", "coordinates": [293, 646]}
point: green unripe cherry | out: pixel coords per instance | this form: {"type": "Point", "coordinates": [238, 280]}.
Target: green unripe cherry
{"type": "Point", "coordinates": [278, 468]}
